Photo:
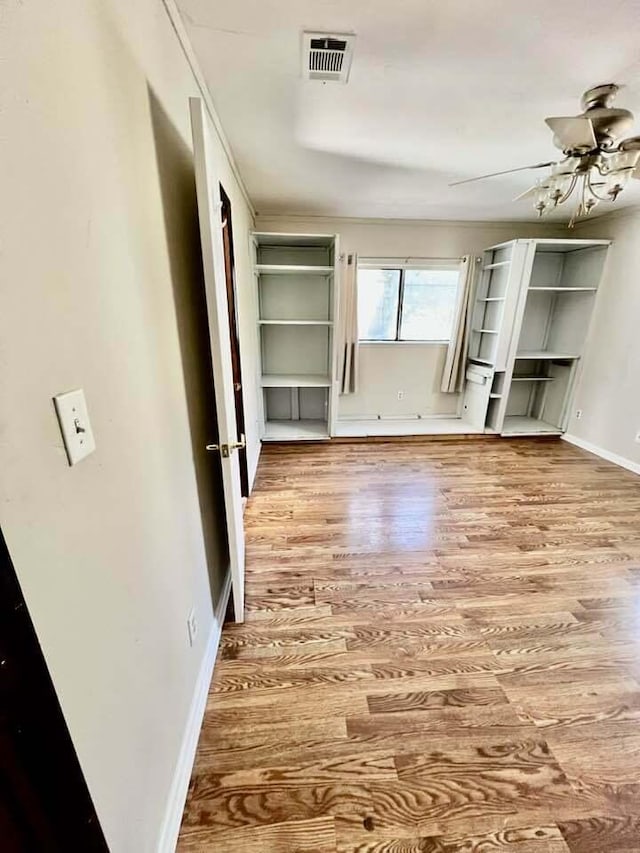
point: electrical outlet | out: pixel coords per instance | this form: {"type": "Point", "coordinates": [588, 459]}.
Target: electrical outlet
{"type": "Point", "coordinates": [192, 626]}
{"type": "Point", "coordinates": [638, 437]}
{"type": "Point", "coordinates": [578, 414]}
{"type": "Point", "coordinates": [400, 395]}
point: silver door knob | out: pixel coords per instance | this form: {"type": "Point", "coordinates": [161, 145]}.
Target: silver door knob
{"type": "Point", "coordinates": [226, 449]}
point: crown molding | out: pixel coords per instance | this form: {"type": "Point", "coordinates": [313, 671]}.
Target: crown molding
{"type": "Point", "coordinates": [403, 223]}
{"type": "Point", "coordinates": [187, 48]}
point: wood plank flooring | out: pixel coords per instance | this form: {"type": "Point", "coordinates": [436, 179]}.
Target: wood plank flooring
{"type": "Point", "coordinates": [441, 654]}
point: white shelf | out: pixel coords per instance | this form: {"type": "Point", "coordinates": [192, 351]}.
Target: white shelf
{"type": "Point", "coordinates": [306, 241]}
{"type": "Point", "coordinates": [480, 360]}
{"type": "Point", "coordinates": [540, 354]}
{"type": "Point", "coordinates": [295, 322]}
{"type": "Point", "coordinates": [492, 299]}
{"type": "Point", "coordinates": [523, 425]}
{"type": "Point", "coordinates": [532, 378]}
{"type": "Point", "coordinates": [563, 289]}
{"type": "Point", "coordinates": [494, 396]}
{"type": "Point", "coordinates": [295, 380]}
{"type": "Point", "coordinates": [292, 269]}
{"type": "Point", "coordinates": [487, 331]}
{"type": "Point", "coordinates": [496, 265]}
{"type": "Point", "coordinates": [295, 430]}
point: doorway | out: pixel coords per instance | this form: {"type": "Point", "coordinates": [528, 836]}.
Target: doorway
{"type": "Point", "coordinates": [230, 278]}
{"type": "Point", "coordinates": [44, 800]}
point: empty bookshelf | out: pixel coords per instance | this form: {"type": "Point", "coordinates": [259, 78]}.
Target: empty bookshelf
{"type": "Point", "coordinates": [532, 310]}
{"type": "Point", "coordinates": [296, 277]}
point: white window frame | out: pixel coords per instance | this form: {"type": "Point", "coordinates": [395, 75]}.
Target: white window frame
{"type": "Point", "coordinates": [401, 265]}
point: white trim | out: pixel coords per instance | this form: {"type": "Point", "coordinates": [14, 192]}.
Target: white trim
{"type": "Point", "coordinates": [634, 467]}
{"type": "Point", "coordinates": [411, 263]}
{"type": "Point", "coordinates": [189, 53]}
{"type": "Point", "coordinates": [170, 828]}
{"type": "Point", "coordinates": [548, 227]}
{"type": "Point", "coordinates": [366, 343]}
{"type": "Point", "coordinates": [433, 425]}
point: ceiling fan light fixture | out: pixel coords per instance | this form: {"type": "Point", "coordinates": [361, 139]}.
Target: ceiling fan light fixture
{"type": "Point", "coordinates": [543, 197]}
{"type": "Point", "coordinates": [559, 186]}
{"type": "Point", "coordinates": [623, 161]}
{"type": "Point", "coordinates": [566, 166]}
{"type": "Point", "coordinates": [596, 164]}
{"type": "Point", "coordinates": [601, 172]}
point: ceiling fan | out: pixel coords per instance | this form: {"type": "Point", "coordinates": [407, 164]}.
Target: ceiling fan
{"type": "Point", "coordinates": [594, 160]}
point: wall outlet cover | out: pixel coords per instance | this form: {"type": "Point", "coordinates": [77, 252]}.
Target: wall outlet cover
{"type": "Point", "coordinates": [638, 437]}
{"type": "Point", "coordinates": [75, 426]}
{"type": "Point", "coordinates": [578, 414]}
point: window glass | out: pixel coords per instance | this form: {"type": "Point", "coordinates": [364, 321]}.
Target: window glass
{"type": "Point", "coordinates": [429, 305]}
{"type": "Point", "coordinates": [428, 310]}
{"type": "Point", "coordinates": [378, 295]}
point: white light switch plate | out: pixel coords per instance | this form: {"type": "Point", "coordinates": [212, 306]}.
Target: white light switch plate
{"type": "Point", "coordinates": [73, 417]}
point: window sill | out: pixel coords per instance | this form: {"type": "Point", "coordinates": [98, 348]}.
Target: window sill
{"type": "Point", "coordinates": [404, 343]}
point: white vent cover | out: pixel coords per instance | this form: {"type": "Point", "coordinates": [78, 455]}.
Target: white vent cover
{"type": "Point", "coordinates": [326, 56]}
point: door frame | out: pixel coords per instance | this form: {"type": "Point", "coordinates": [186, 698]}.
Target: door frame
{"type": "Point", "coordinates": [234, 332]}
{"type": "Point", "coordinates": [228, 441]}
{"type": "Point", "coordinates": [45, 798]}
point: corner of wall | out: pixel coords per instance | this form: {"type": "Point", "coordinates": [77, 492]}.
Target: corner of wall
{"type": "Point", "coordinates": [628, 464]}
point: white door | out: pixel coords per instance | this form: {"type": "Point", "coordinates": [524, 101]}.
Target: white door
{"type": "Point", "coordinates": [209, 207]}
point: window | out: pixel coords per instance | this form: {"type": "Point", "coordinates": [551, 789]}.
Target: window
{"type": "Point", "coordinates": [406, 303]}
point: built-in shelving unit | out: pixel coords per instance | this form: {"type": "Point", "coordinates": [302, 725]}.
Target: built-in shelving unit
{"type": "Point", "coordinates": [296, 297]}
{"type": "Point", "coordinates": [292, 269]}
{"type": "Point", "coordinates": [531, 378]}
{"type": "Point", "coordinates": [309, 429]}
{"type": "Point", "coordinates": [544, 354]}
{"type": "Point", "coordinates": [295, 380]}
{"type": "Point", "coordinates": [295, 322]}
{"type": "Point", "coordinates": [533, 307]}
{"type": "Point", "coordinates": [565, 289]}
{"type": "Point", "coordinates": [525, 425]}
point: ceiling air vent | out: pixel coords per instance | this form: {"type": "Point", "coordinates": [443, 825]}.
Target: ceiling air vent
{"type": "Point", "coordinates": [327, 57]}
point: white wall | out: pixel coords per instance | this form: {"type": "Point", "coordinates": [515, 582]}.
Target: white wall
{"type": "Point", "coordinates": [608, 389]}
{"type": "Point", "coordinates": [386, 369]}
{"type": "Point", "coordinates": [100, 275]}
{"type": "Point", "coordinates": [414, 369]}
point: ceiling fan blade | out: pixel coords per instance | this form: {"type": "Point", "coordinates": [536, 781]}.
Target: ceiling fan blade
{"type": "Point", "coordinates": [630, 144]}
{"type": "Point", "coordinates": [572, 132]}
{"type": "Point", "coordinates": [505, 172]}
{"type": "Point", "coordinates": [527, 193]}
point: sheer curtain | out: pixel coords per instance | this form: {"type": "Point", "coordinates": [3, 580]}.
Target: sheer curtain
{"type": "Point", "coordinates": [348, 347]}
{"type": "Point", "coordinates": [454, 366]}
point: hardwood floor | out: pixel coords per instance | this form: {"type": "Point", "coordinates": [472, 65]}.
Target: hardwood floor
{"type": "Point", "coordinates": [441, 654]}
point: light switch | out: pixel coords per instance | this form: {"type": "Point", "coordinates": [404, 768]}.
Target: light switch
{"type": "Point", "coordinates": [73, 417]}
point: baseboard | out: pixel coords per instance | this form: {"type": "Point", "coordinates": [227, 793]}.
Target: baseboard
{"type": "Point", "coordinates": [604, 454]}
{"type": "Point", "coordinates": [180, 783]}
{"type": "Point", "coordinates": [437, 425]}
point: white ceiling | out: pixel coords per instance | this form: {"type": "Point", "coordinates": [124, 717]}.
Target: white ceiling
{"type": "Point", "coordinates": [439, 91]}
